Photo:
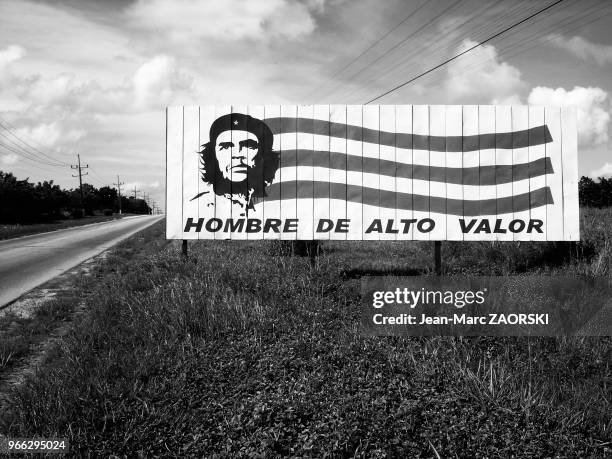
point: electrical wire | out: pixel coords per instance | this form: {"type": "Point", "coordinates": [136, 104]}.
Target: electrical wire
{"type": "Point", "coordinates": [100, 179]}
{"type": "Point", "coordinates": [365, 51]}
{"type": "Point", "coordinates": [485, 29]}
{"type": "Point", "coordinates": [578, 22]}
{"type": "Point", "coordinates": [33, 150]}
{"type": "Point", "coordinates": [18, 149]}
{"type": "Point", "coordinates": [413, 79]}
{"type": "Point", "coordinates": [433, 51]}
{"type": "Point", "coordinates": [401, 42]}
{"type": "Point", "coordinates": [34, 164]}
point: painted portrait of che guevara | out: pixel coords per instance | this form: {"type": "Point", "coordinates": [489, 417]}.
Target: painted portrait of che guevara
{"type": "Point", "coordinates": [238, 161]}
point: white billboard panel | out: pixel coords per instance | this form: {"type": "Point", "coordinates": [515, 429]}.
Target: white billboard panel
{"type": "Point", "coordinates": [394, 172]}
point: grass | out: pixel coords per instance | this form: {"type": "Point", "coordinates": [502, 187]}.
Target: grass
{"type": "Point", "coordinates": [241, 352]}
{"type": "Point", "coordinates": [13, 231]}
{"type": "Point", "coordinates": [18, 335]}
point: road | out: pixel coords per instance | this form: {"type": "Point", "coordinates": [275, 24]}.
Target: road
{"type": "Point", "coordinates": [29, 261]}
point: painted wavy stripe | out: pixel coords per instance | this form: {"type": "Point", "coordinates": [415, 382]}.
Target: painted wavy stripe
{"type": "Point", "coordinates": [482, 175]}
{"type": "Point", "coordinates": [404, 201]}
{"type": "Point", "coordinates": [501, 140]}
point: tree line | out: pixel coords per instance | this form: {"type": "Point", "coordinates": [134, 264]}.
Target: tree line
{"type": "Point", "coordinates": [22, 201]}
{"type": "Point", "coordinates": [595, 194]}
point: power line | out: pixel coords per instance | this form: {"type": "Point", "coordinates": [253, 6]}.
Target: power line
{"type": "Point", "coordinates": [18, 149]}
{"type": "Point", "coordinates": [37, 150]}
{"type": "Point", "coordinates": [400, 43]}
{"type": "Point", "coordinates": [365, 51]}
{"type": "Point", "coordinates": [100, 179]}
{"type": "Point", "coordinates": [38, 153]}
{"type": "Point", "coordinates": [418, 52]}
{"type": "Point", "coordinates": [464, 52]}
{"type": "Point", "coordinates": [486, 27]}
{"type": "Point", "coordinates": [481, 31]}
{"type": "Point", "coordinates": [34, 163]}
{"type": "Point", "coordinates": [518, 47]}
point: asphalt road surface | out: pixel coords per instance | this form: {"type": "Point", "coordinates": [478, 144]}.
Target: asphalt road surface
{"type": "Point", "coordinates": [29, 261]}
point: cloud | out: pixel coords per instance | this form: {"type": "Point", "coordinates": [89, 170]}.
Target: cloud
{"type": "Point", "coordinates": [230, 20]}
{"type": "Point", "coordinates": [49, 134]}
{"type": "Point", "coordinates": [157, 80]}
{"type": "Point", "coordinates": [603, 171]}
{"type": "Point", "coordinates": [492, 81]}
{"type": "Point", "coordinates": [584, 49]}
{"type": "Point", "coordinates": [153, 84]}
{"type": "Point", "coordinates": [9, 159]}
{"type": "Point", "coordinates": [64, 113]}
{"type": "Point", "coordinates": [592, 106]}
{"type": "Point", "coordinates": [9, 55]}
{"type": "Point", "coordinates": [141, 185]}
{"type": "Point", "coordinates": [316, 5]}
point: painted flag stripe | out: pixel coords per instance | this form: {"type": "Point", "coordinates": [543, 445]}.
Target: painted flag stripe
{"type": "Point", "coordinates": [406, 201]}
{"type": "Point", "coordinates": [479, 175]}
{"type": "Point", "coordinates": [501, 140]}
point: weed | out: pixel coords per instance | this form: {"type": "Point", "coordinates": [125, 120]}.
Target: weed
{"type": "Point", "coordinates": [242, 351]}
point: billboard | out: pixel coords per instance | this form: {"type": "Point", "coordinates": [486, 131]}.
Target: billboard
{"type": "Point", "coordinates": [372, 172]}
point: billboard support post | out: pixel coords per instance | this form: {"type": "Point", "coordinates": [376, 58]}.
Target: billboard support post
{"type": "Point", "coordinates": [438, 257]}
{"type": "Point", "coordinates": [184, 248]}
{"type": "Point", "coordinates": [313, 251]}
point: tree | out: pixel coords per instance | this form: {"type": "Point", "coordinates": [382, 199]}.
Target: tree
{"type": "Point", "coordinates": [16, 198]}
{"type": "Point", "coordinates": [135, 206]}
{"type": "Point", "coordinates": [24, 202]}
{"type": "Point", "coordinates": [595, 194]}
{"type": "Point", "coordinates": [108, 198]}
{"type": "Point", "coordinates": [50, 200]}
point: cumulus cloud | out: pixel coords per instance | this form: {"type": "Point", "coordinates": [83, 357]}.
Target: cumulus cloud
{"type": "Point", "coordinates": [10, 54]}
{"type": "Point", "coordinates": [316, 5]}
{"type": "Point", "coordinates": [58, 111]}
{"type": "Point", "coordinates": [153, 85]}
{"type": "Point", "coordinates": [603, 171]}
{"type": "Point", "coordinates": [157, 80]}
{"type": "Point", "coordinates": [9, 159]}
{"type": "Point", "coordinates": [480, 77]}
{"type": "Point", "coordinates": [50, 134]}
{"type": "Point", "coordinates": [584, 49]}
{"type": "Point", "coordinates": [230, 20]}
{"type": "Point", "coordinates": [592, 106]}
{"type": "Point", "coordinates": [141, 187]}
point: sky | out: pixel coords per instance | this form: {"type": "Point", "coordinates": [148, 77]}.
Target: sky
{"type": "Point", "coordinates": [93, 77]}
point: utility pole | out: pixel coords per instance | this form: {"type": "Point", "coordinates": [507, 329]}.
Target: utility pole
{"type": "Point", "coordinates": [135, 192]}
{"type": "Point", "coordinates": [118, 184]}
{"type": "Point", "coordinates": [80, 169]}
{"type": "Point", "coordinates": [147, 197]}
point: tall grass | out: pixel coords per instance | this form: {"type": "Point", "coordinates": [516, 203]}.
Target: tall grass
{"type": "Point", "coordinates": [240, 351]}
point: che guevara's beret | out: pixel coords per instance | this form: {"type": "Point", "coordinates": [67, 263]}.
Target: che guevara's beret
{"type": "Point", "coordinates": [241, 122]}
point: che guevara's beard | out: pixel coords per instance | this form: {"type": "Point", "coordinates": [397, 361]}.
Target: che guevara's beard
{"type": "Point", "coordinates": [239, 192]}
